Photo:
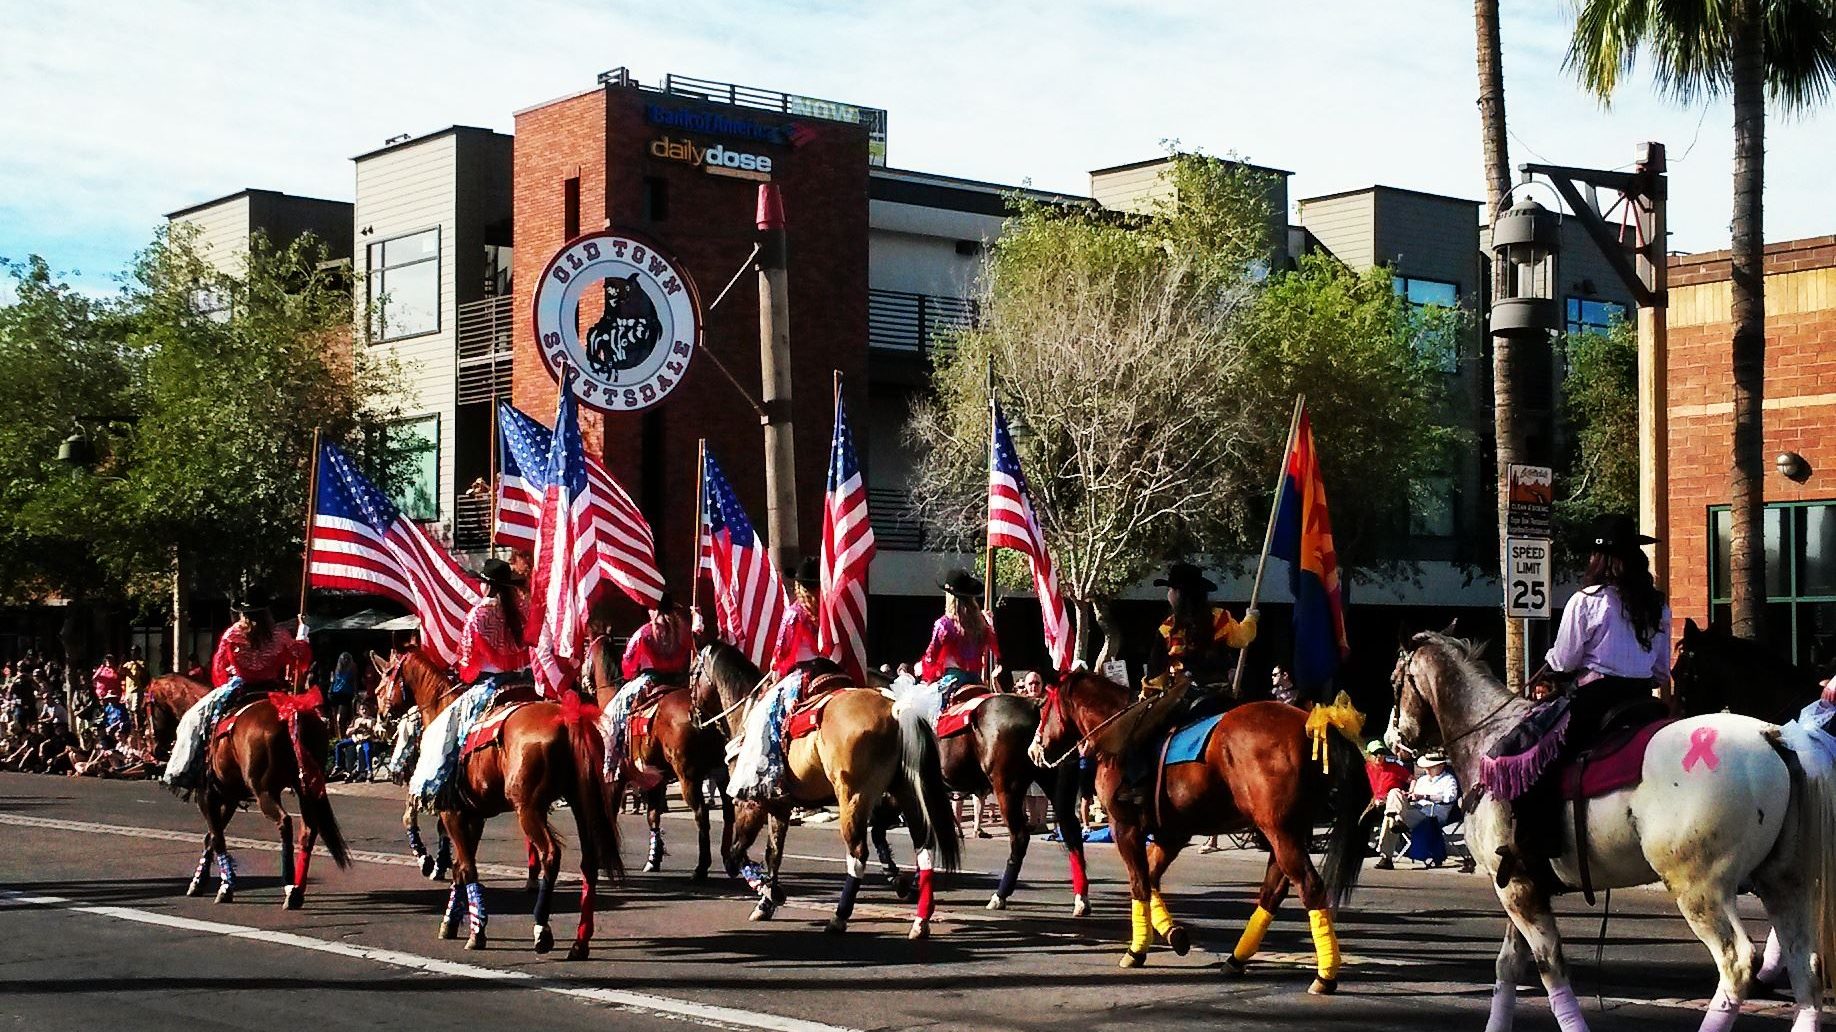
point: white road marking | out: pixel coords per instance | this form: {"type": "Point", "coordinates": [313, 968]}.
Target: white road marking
{"type": "Point", "coordinates": [643, 1003]}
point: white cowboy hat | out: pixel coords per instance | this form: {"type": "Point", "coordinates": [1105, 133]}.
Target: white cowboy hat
{"type": "Point", "coordinates": [1433, 759]}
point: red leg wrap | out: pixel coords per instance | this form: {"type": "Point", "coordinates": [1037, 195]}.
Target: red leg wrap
{"type": "Point", "coordinates": [924, 895]}
{"type": "Point", "coordinates": [1080, 884]}
{"type": "Point", "coordinates": [585, 934]}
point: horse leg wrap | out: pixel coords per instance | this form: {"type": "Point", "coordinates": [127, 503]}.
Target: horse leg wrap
{"type": "Point", "coordinates": [307, 839]}
{"type": "Point", "coordinates": [925, 898]}
{"type": "Point", "coordinates": [226, 870]}
{"type": "Point", "coordinates": [1772, 961]}
{"type": "Point", "coordinates": [198, 876]}
{"type": "Point", "coordinates": [1567, 1010]}
{"type": "Point", "coordinates": [586, 912]}
{"type": "Point", "coordinates": [286, 851]}
{"type": "Point", "coordinates": [656, 848]}
{"type": "Point", "coordinates": [1141, 933]}
{"type": "Point", "coordinates": [754, 874]}
{"type": "Point", "coordinates": [1251, 939]}
{"type": "Point", "coordinates": [475, 908]}
{"type": "Point", "coordinates": [455, 904]}
{"type": "Point", "coordinates": [1806, 1020]}
{"type": "Point", "coordinates": [1158, 913]}
{"type": "Point", "coordinates": [851, 885]}
{"type": "Point", "coordinates": [1504, 1007]}
{"type": "Point", "coordinates": [1722, 1010]}
{"type": "Point", "coordinates": [543, 889]}
{"type": "Point", "coordinates": [1009, 875]}
{"type": "Point", "coordinates": [1080, 883]}
{"type": "Point", "coordinates": [416, 843]}
{"type": "Point", "coordinates": [1325, 943]}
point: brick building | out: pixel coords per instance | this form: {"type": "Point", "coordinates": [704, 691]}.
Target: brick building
{"type": "Point", "coordinates": [1800, 409]}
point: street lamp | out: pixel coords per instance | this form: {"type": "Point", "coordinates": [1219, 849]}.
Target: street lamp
{"type": "Point", "coordinates": [1527, 237]}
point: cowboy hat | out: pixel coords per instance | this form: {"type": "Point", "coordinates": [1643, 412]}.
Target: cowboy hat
{"type": "Point", "coordinates": [499, 573]}
{"type": "Point", "coordinates": [254, 598]}
{"type": "Point", "coordinates": [808, 573]}
{"type": "Point", "coordinates": [1433, 759]}
{"type": "Point", "coordinates": [963, 584]}
{"type": "Point", "coordinates": [1616, 532]}
{"type": "Point", "coordinates": [1186, 577]}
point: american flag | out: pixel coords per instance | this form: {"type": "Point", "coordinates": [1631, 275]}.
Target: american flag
{"type": "Point", "coordinates": [1013, 524]}
{"type": "Point", "coordinates": [361, 542]}
{"type": "Point", "coordinates": [847, 552]}
{"type": "Point", "coordinates": [627, 549]}
{"type": "Point", "coordinates": [567, 552]}
{"type": "Point", "coordinates": [747, 590]}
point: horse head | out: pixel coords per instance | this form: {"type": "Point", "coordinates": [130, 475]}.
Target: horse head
{"type": "Point", "coordinates": [1432, 670]}
{"type": "Point", "coordinates": [1079, 702]}
{"type": "Point", "coordinates": [723, 677]}
{"type": "Point", "coordinates": [1716, 670]}
{"type": "Point", "coordinates": [410, 678]}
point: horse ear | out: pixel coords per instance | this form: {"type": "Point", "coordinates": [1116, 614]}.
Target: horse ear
{"type": "Point", "coordinates": [376, 661]}
{"type": "Point", "coordinates": [1690, 630]}
{"type": "Point", "coordinates": [1452, 625]}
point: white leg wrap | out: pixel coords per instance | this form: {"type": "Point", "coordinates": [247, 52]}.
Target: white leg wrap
{"type": "Point", "coordinates": [857, 868]}
{"type": "Point", "coordinates": [1567, 1010]}
{"type": "Point", "coordinates": [924, 859]}
{"type": "Point", "coordinates": [1504, 1006]}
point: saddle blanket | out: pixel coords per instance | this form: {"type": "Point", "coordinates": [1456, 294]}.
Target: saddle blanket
{"type": "Point", "coordinates": [488, 730]}
{"type": "Point", "coordinates": [227, 726]}
{"type": "Point", "coordinates": [1616, 763]}
{"type": "Point", "coordinates": [1187, 745]}
{"type": "Point", "coordinates": [955, 720]}
{"type": "Point", "coordinates": [638, 725]}
{"type": "Point", "coordinates": [807, 717]}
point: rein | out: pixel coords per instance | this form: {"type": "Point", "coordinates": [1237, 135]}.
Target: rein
{"type": "Point", "coordinates": [1478, 725]}
{"type": "Point", "coordinates": [1091, 736]}
{"type": "Point", "coordinates": [698, 672]}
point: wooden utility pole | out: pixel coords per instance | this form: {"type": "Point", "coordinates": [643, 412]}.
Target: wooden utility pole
{"type": "Point", "coordinates": [1653, 268]}
{"type": "Point", "coordinates": [775, 377]}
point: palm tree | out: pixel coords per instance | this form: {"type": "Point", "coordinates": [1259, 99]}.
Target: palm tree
{"type": "Point", "coordinates": [1702, 49]}
{"type": "Point", "coordinates": [1506, 432]}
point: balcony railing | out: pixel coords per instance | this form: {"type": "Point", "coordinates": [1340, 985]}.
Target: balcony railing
{"type": "Point", "coordinates": [896, 526]}
{"type": "Point", "coordinates": [484, 349]}
{"type": "Point", "coordinates": [874, 119]}
{"type": "Point", "coordinates": [918, 324]}
{"type": "Point", "coordinates": [472, 523]}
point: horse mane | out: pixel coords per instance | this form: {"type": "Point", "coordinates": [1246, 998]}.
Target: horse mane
{"type": "Point", "coordinates": [175, 691]}
{"type": "Point", "coordinates": [1467, 655]}
{"type": "Point", "coordinates": [732, 674]}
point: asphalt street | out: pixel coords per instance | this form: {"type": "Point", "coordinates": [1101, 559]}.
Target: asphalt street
{"type": "Point", "coordinates": [98, 934]}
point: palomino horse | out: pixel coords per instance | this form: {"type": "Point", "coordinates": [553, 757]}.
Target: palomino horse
{"type": "Point", "coordinates": [859, 754]}
{"type": "Point", "coordinates": [685, 740]}
{"type": "Point", "coordinates": [165, 701]}
{"type": "Point", "coordinates": [543, 752]}
{"type": "Point", "coordinates": [1716, 670]}
{"type": "Point", "coordinates": [1722, 803]}
{"type": "Point", "coordinates": [992, 756]}
{"type": "Point", "coordinates": [274, 743]}
{"type": "Point", "coordinates": [1254, 773]}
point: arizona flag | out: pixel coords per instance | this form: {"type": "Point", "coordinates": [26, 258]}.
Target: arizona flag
{"type": "Point", "coordinates": [1303, 536]}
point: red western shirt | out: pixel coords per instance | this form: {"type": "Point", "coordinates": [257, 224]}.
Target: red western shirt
{"type": "Point", "coordinates": [646, 652]}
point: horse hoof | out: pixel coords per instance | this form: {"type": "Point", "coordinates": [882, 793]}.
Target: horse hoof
{"type": "Point", "coordinates": [448, 930]}
{"type": "Point", "coordinates": [921, 929]}
{"type": "Point", "coordinates": [226, 894]}
{"type": "Point", "coordinates": [1179, 940]}
{"type": "Point", "coordinates": [544, 939]}
{"type": "Point", "coordinates": [700, 875]}
{"type": "Point", "coordinates": [997, 902]}
{"type": "Point", "coordinates": [475, 941]}
{"type": "Point", "coordinates": [1323, 986]}
{"type": "Point", "coordinates": [1080, 906]}
{"type": "Point", "coordinates": [763, 911]}
{"type": "Point", "coordinates": [1234, 967]}
{"type": "Point", "coordinates": [902, 889]}
{"type": "Point", "coordinates": [196, 888]}
{"type": "Point", "coordinates": [652, 867]}
{"type": "Point", "coordinates": [1131, 959]}
{"type": "Point", "coordinates": [292, 897]}
{"type": "Point", "coordinates": [578, 951]}
{"type": "Point", "coordinates": [836, 926]}
{"type": "Point", "coordinates": [428, 866]}
{"type": "Point", "coordinates": [441, 874]}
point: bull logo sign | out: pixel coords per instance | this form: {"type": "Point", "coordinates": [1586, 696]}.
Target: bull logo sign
{"type": "Point", "coordinates": [633, 344]}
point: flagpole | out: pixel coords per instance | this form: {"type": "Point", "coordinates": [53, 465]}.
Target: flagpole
{"type": "Point", "coordinates": [494, 473]}
{"type": "Point", "coordinates": [988, 557]}
{"type": "Point", "coordinates": [701, 490]}
{"type": "Point", "coordinates": [312, 504]}
{"type": "Point", "coordinates": [1268, 537]}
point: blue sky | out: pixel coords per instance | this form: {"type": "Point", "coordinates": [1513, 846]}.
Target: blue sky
{"type": "Point", "coordinates": [118, 112]}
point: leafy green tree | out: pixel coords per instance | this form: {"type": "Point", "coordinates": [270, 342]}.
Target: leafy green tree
{"type": "Point", "coordinates": [1600, 408]}
{"type": "Point", "coordinates": [1753, 50]}
{"type": "Point", "coordinates": [1148, 365]}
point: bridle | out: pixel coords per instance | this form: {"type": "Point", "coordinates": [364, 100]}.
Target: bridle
{"type": "Point", "coordinates": [1053, 700]}
{"type": "Point", "coordinates": [396, 676]}
{"type": "Point", "coordinates": [1408, 681]}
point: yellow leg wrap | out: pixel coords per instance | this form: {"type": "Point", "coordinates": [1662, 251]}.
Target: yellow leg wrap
{"type": "Point", "coordinates": [1143, 931]}
{"type": "Point", "coordinates": [1252, 935]}
{"type": "Point", "coordinates": [1162, 918]}
{"type": "Point", "coordinates": [1325, 942]}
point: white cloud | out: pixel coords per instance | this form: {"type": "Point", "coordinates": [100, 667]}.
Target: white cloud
{"type": "Point", "coordinates": [119, 112]}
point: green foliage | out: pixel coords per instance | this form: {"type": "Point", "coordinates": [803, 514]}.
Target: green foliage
{"type": "Point", "coordinates": [1149, 365]}
{"type": "Point", "coordinates": [201, 391]}
{"type": "Point", "coordinates": [1600, 408]}
{"type": "Point", "coordinates": [1691, 46]}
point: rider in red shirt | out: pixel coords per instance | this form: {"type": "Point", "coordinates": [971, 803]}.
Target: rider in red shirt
{"type": "Point", "coordinates": [662, 647]}
{"type": "Point", "coordinates": [962, 640]}
{"type": "Point", "coordinates": [495, 640]}
{"type": "Point", "coordinates": [254, 649]}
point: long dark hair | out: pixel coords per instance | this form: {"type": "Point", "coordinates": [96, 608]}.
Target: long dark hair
{"type": "Point", "coordinates": [261, 626]}
{"type": "Point", "coordinates": [1192, 617]}
{"type": "Point", "coordinates": [1629, 573]}
{"type": "Point", "coordinates": [505, 594]}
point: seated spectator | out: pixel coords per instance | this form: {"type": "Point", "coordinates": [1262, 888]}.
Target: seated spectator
{"type": "Point", "coordinates": [1032, 685]}
{"type": "Point", "coordinates": [359, 744]}
{"type": "Point", "coordinates": [1430, 798]}
{"type": "Point", "coordinates": [1281, 686]}
{"type": "Point", "coordinates": [1385, 772]}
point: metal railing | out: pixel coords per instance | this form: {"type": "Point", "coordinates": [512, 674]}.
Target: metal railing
{"type": "Point", "coordinates": [896, 526]}
{"type": "Point", "coordinates": [472, 523]}
{"type": "Point", "coordinates": [714, 91]}
{"type": "Point", "coordinates": [920, 324]}
{"type": "Point", "coordinates": [484, 337]}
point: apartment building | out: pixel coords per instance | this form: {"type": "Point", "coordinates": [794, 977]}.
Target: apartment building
{"type": "Point", "coordinates": [224, 226]}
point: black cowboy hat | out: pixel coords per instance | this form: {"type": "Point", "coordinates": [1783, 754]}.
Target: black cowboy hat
{"type": "Point", "coordinates": [253, 599]}
{"type": "Point", "coordinates": [1616, 532]}
{"type": "Point", "coordinates": [498, 572]}
{"type": "Point", "coordinates": [808, 573]}
{"type": "Point", "coordinates": [963, 584]}
{"type": "Point", "coordinates": [1186, 577]}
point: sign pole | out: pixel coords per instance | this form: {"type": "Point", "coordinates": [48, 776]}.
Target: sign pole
{"type": "Point", "coordinates": [988, 557]}
{"type": "Point", "coordinates": [1268, 537]}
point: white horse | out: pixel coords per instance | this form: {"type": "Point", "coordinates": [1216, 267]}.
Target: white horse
{"type": "Point", "coordinates": [1722, 804]}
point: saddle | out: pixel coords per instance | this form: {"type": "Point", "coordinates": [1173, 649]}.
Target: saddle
{"type": "Point", "coordinates": [488, 733]}
{"type": "Point", "coordinates": [1615, 760]}
{"type": "Point", "coordinates": [807, 717]}
{"type": "Point", "coordinates": [1184, 744]}
{"type": "Point", "coordinates": [227, 726]}
{"type": "Point", "coordinates": [955, 720]}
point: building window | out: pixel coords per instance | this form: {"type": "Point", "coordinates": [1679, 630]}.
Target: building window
{"type": "Point", "coordinates": [1800, 541]}
{"type": "Point", "coordinates": [570, 207]}
{"type": "Point", "coordinates": [404, 286]}
{"type": "Point", "coordinates": [212, 302]}
{"type": "Point", "coordinates": [1586, 315]}
{"type": "Point", "coordinates": [1431, 507]}
{"type": "Point", "coordinates": [1442, 348]}
{"type": "Point", "coordinates": [417, 490]}
{"type": "Point", "coordinates": [496, 270]}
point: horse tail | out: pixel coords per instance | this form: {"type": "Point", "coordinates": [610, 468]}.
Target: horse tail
{"type": "Point", "coordinates": [921, 775]}
{"type": "Point", "coordinates": [315, 804]}
{"type": "Point", "coordinates": [594, 810]}
{"type": "Point", "coordinates": [1813, 787]}
{"type": "Point", "coordinates": [1350, 793]}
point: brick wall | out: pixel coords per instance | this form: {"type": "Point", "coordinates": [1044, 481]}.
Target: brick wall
{"type": "Point", "coordinates": [1800, 402]}
{"type": "Point", "coordinates": [603, 137]}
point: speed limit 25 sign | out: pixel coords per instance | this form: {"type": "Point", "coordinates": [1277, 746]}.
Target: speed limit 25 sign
{"type": "Point", "coordinates": [1527, 578]}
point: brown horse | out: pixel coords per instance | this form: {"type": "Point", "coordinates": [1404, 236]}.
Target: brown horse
{"type": "Point", "coordinates": [543, 752]}
{"type": "Point", "coordinates": [859, 754]}
{"type": "Point", "coordinates": [685, 740]}
{"type": "Point", "coordinates": [164, 702]}
{"type": "Point", "coordinates": [273, 744]}
{"type": "Point", "coordinates": [1255, 773]}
